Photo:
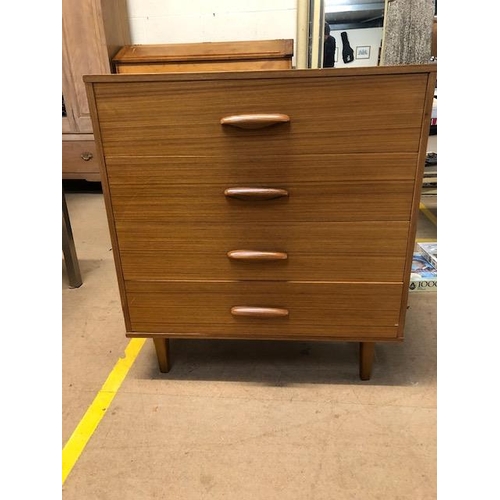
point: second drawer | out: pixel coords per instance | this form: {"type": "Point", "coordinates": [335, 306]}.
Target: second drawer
{"type": "Point", "coordinates": [311, 202]}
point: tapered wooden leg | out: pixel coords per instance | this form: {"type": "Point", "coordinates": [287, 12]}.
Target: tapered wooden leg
{"type": "Point", "coordinates": [162, 353]}
{"type": "Point", "coordinates": [366, 351]}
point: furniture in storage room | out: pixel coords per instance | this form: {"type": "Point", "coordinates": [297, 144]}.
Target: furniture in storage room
{"type": "Point", "coordinates": [264, 205]}
{"type": "Point", "coordinates": [208, 56]}
{"type": "Point", "coordinates": [92, 32]}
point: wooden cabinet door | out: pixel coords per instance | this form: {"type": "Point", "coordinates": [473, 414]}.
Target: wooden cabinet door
{"type": "Point", "coordinates": [92, 32]}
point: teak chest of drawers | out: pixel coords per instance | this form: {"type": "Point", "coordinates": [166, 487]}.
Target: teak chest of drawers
{"type": "Point", "coordinates": [207, 56]}
{"type": "Point", "coordinates": [264, 204]}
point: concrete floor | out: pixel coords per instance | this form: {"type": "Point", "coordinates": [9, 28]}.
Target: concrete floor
{"type": "Point", "coordinates": [238, 419]}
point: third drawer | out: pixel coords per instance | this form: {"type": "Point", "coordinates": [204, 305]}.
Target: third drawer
{"type": "Point", "coordinates": [354, 251]}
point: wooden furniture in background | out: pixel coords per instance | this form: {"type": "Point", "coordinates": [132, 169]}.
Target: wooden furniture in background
{"type": "Point", "coordinates": [209, 56]}
{"type": "Point", "coordinates": [264, 205]}
{"type": "Point", "coordinates": [69, 248]}
{"type": "Point", "coordinates": [92, 32]}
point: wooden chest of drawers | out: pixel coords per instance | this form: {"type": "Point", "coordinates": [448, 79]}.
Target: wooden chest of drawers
{"type": "Point", "coordinates": [264, 205]}
{"type": "Point", "coordinates": [208, 56]}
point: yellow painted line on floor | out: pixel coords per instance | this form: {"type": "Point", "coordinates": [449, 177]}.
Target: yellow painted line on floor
{"type": "Point", "coordinates": [428, 213]}
{"type": "Point", "coordinates": [84, 430]}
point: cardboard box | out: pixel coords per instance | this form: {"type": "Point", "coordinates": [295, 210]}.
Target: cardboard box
{"type": "Point", "coordinates": [423, 276]}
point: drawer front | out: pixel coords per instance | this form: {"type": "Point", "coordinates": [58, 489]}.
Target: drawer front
{"type": "Point", "coordinates": [331, 251]}
{"type": "Point", "coordinates": [313, 309]}
{"type": "Point", "coordinates": [348, 114]}
{"type": "Point", "coordinates": [143, 173]}
{"type": "Point", "coordinates": [319, 187]}
{"type": "Point", "coordinates": [306, 202]}
{"type": "Point", "coordinates": [79, 159]}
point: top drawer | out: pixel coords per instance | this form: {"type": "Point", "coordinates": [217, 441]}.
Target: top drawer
{"type": "Point", "coordinates": [347, 114]}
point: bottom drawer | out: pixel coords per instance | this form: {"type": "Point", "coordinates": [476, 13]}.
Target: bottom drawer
{"type": "Point", "coordinates": [265, 309]}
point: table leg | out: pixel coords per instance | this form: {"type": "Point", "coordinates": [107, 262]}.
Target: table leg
{"type": "Point", "coordinates": [69, 250]}
{"type": "Point", "coordinates": [162, 353]}
{"type": "Point", "coordinates": [366, 351]}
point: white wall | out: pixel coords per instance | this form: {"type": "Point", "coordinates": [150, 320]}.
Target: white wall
{"type": "Point", "coordinates": [194, 21]}
{"type": "Point", "coordinates": [371, 37]}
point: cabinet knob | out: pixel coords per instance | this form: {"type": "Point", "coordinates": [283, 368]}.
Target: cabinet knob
{"type": "Point", "coordinates": [259, 312]}
{"type": "Point", "coordinates": [255, 120]}
{"type": "Point", "coordinates": [87, 156]}
{"type": "Point", "coordinates": [256, 255]}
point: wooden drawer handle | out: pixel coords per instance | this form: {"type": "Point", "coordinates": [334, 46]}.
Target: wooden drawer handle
{"type": "Point", "coordinates": [255, 120]}
{"type": "Point", "coordinates": [249, 193]}
{"type": "Point", "coordinates": [259, 312]}
{"type": "Point", "coordinates": [256, 255]}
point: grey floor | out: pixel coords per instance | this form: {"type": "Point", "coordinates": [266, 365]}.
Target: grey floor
{"type": "Point", "coordinates": [237, 419]}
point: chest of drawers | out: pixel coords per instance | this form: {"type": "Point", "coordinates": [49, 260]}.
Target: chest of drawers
{"type": "Point", "coordinates": [264, 205]}
{"type": "Point", "coordinates": [207, 56]}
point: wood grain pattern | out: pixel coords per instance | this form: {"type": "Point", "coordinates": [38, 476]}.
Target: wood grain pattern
{"type": "Point", "coordinates": [315, 308]}
{"type": "Point", "coordinates": [356, 251]}
{"type": "Point", "coordinates": [351, 160]}
{"type": "Point", "coordinates": [428, 70]}
{"type": "Point", "coordinates": [138, 172]}
{"type": "Point", "coordinates": [188, 66]}
{"type": "Point", "coordinates": [201, 57]}
{"type": "Point", "coordinates": [340, 201]}
{"type": "Point", "coordinates": [342, 115]}
{"type": "Point", "coordinates": [208, 51]}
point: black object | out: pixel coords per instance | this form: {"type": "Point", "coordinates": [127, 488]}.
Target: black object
{"type": "Point", "coordinates": [329, 48]}
{"type": "Point", "coordinates": [347, 52]}
{"type": "Point", "coordinates": [431, 159]}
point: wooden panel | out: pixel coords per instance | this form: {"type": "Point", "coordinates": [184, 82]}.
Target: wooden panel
{"type": "Point", "coordinates": [208, 51]}
{"type": "Point", "coordinates": [92, 32]}
{"type": "Point", "coordinates": [342, 115]}
{"type": "Point", "coordinates": [315, 309]}
{"type": "Point", "coordinates": [138, 173]}
{"type": "Point", "coordinates": [260, 64]}
{"type": "Point", "coordinates": [80, 160]}
{"type": "Point", "coordinates": [210, 56]}
{"type": "Point", "coordinates": [325, 252]}
{"type": "Point", "coordinates": [340, 201]}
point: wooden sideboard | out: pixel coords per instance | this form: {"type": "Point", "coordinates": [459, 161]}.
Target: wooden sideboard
{"type": "Point", "coordinates": [208, 56]}
{"type": "Point", "coordinates": [92, 32]}
{"type": "Point", "coordinates": [264, 204]}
